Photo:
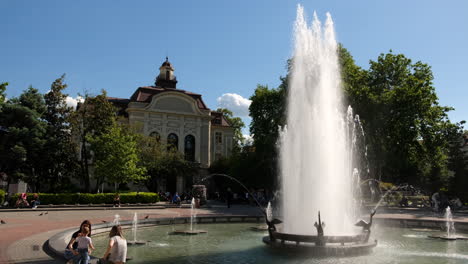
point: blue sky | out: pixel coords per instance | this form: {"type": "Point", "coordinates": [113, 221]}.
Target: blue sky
{"type": "Point", "coordinates": [217, 47]}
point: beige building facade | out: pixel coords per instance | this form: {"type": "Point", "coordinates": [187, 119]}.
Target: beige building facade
{"type": "Point", "coordinates": [180, 118]}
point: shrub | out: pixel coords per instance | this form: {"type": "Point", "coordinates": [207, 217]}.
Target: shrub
{"type": "Point", "coordinates": [89, 198]}
{"type": "Point", "coordinates": [2, 196]}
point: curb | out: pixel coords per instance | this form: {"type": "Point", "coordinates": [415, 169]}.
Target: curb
{"type": "Point", "coordinates": [56, 245]}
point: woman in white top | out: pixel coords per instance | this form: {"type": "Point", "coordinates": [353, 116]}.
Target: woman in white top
{"type": "Point", "coordinates": [117, 250]}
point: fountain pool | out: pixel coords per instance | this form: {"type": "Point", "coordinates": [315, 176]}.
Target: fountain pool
{"type": "Point", "coordinates": [236, 243]}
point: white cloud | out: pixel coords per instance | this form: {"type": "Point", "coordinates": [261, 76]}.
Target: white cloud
{"type": "Point", "coordinates": [236, 103]}
{"type": "Point", "coordinates": [72, 102]}
{"type": "Point", "coordinates": [248, 140]}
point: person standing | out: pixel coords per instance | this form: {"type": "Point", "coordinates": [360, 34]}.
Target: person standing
{"type": "Point", "coordinates": [229, 197]}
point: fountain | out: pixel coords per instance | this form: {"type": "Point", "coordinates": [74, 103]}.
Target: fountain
{"type": "Point", "coordinates": [193, 216]}
{"type": "Point", "coordinates": [134, 232]}
{"type": "Point", "coordinates": [116, 220]}
{"type": "Point", "coordinates": [317, 165]}
{"type": "Point", "coordinates": [450, 232]}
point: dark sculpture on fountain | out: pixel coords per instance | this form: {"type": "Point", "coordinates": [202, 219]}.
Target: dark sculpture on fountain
{"type": "Point", "coordinates": [320, 244]}
{"type": "Point", "coordinates": [320, 236]}
{"type": "Point", "coordinates": [366, 226]}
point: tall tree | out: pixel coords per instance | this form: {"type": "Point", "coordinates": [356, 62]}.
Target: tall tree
{"type": "Point", "coordinates": [402, 119]}
{"type": "Point", "coordinates": [60, 149]}
{"type": "Point", "coordinates": [458, 159]}
{"type": "Point", "coordinates": [267, 110]}
{"type": "Point", "coordinates": [22, 138]}
{"type": "Point", "coordinates": [95, 116]}
{"type": "Point", "coordinates": [3, 87]}
{"type": "Point", "coordinates": [116, 156]}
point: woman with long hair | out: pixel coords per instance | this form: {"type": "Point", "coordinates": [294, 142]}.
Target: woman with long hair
{"type": "Point", "coordinates": [71, 252]}
{"type": "Point", "coordinates": [116, 251]}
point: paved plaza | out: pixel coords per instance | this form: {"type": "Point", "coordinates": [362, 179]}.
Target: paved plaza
{"type": "Point", "coordinates": [24, 236]}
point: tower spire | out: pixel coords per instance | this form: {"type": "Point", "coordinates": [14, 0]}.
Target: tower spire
{"type": "Point", "coordinates": [166, 77]}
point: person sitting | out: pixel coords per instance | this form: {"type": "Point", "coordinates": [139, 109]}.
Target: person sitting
{"type": "Point", "coordinates": [116, 252]}
{"type": "Point", "coordinates": [22, 200]}
{"type": "Point", "coordinates": [35, 201]}
{"type": "Point", "coordinates": [117, 200]}
{"type": "Point", "coordinates": [71, 251]}
{"type": "Point", "coordinates": [176, 199]}
{"type": "Point", "coordinates": [404, 202]}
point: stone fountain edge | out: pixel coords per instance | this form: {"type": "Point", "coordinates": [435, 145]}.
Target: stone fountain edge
{"type": "Point", "coordinates": [58, 242]}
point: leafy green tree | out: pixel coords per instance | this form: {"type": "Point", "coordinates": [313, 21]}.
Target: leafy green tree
{"type": "Point", "coordinates": [116, 156]}
{"type": "Point", "coordinates": [22, 138]}
{"type": "Point", "coordinates": [238, 124]}
{"type": "Point", "coordinates": [267, 110]}
{"type": "Point", "coordinates": [3, 87]}
{"type": "Point", "coordinates": [458, 159]}
{"type": "Point", "coordinates": [403, 121]}
{"type": "Point", "coordinates": [60, 149]}
{"type": "Point", "coordinates": [94, 117]}
{"type": "Point", "coordinates": [162, 163]}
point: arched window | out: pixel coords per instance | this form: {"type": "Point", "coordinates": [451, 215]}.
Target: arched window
{"type": "Point", "coordinates": [172, 141]}
{"type": "Point", "coordinates": [156, 136]}
{"type": "Point", "coordinates": [168, 75]}
{"type": "Point", "coordinates": [189, 148]}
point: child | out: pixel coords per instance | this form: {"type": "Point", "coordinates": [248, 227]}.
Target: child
{"type": "Point", "coordinates": [84, 243]}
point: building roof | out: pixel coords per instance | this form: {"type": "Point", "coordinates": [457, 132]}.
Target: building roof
{"type": "Point", "coordinates": [218, 119]}
{"type": "Point", "coordinates": [145, 93]}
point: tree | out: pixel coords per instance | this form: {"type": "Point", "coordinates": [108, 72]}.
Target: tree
{"type": "Point", "coordinates": [22, 138]}
{"type": "Point", "coordinates": [402, 119]}
{"type": "Point", "coordinates": [237, 124]}
{"type": "Point", "coordinates": [458, 159]}
{"type": "Point", "coordinates": [2, 92]}
{"type": "Point", "coordinates": [59, 150]}
{"type": "Point", "coordinates": [95, 116]}
{"type": "Point", "coordinates": [268, 115]}
{"type": "Point", "coordinates": [162, 163]}
{"type": "Point", "coordinates": [116, 156]}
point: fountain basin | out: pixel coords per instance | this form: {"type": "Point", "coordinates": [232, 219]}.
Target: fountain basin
{"type": "Point", "coordinates": [323, 245]}
{"type": "Point", "coordinates": [445, 237]}
{"type": "Point", "coordinates": [189, 232]}
{"type": "Point", "coordinates": [136, 243]}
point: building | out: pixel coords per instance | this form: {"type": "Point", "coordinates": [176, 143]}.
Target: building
{"type": "Point", "coordinates": [180, 118]}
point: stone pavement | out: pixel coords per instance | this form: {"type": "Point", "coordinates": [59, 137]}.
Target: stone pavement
{"type": "Point", "coordinates": [25, 233]}
{"type": "Point", "coordinates": [23, 236]}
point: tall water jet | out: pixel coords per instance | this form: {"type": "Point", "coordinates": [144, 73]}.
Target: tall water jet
{"type": "Point", "coordinates": [316, 162]}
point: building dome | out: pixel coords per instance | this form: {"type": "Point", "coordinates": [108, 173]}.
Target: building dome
{"type": "Point", "coordinates": [166, 63]}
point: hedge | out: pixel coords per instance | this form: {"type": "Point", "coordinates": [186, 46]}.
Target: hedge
{"type": "Point", "coordinates": [2, 196]}
{"type": "Point", "coordinates": [90, 198]}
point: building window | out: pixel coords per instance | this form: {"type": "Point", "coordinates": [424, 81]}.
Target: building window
{"type": "Point", "coordinates": [168, 74]}
{"type": "Point", "coordinates": [156, 136]}
{"type": "Point", "coordinates": [172, 141]}
{"type": "Point", "coordinates": [218, 138]}
{"type": "Point", "coordinates": [190, 148]}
